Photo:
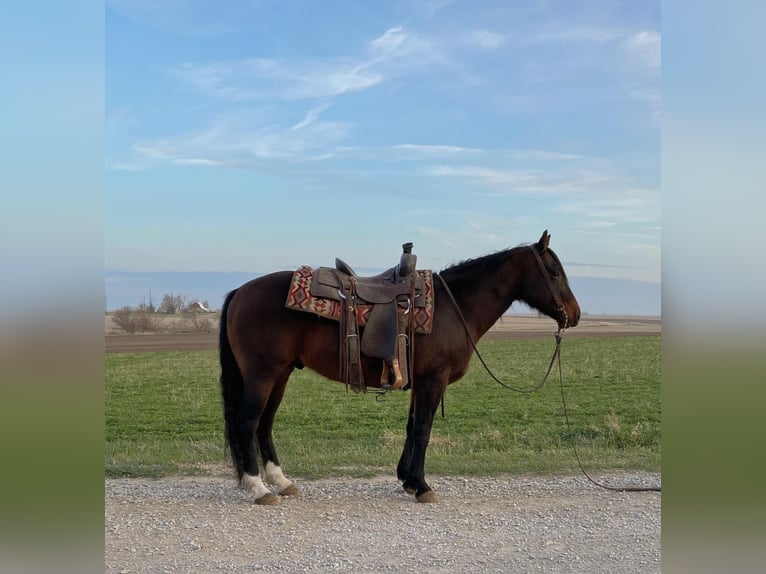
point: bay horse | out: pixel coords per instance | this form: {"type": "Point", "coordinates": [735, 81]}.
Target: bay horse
{"type": "Point", "coordinates": [262, 342]}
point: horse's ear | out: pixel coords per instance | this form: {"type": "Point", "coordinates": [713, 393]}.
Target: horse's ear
{"type": "Point", "coordinates": [542, 245]}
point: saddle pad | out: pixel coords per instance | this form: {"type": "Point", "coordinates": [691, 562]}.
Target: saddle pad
{"type": "Point", "coordinates": [299, 298]}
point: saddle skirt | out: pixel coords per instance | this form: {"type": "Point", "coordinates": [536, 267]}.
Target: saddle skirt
{"type": "Point", "coordinates": [316, 291]}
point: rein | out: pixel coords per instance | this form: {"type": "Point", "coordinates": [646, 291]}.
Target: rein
{"type": "Point", "coordinates": [538, 386]}
{"type": "Point", "coordinates": [555, 358]}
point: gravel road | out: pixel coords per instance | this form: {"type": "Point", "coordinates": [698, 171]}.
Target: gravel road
{"type": "Point", "coordinates": [500, 524]}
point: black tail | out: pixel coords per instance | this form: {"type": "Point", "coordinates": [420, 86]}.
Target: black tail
{"type": "Point", "coordinates": [231, 390]}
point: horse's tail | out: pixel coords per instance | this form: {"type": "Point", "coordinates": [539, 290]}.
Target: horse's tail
{"type": "Point", "coordinates": [232, 386]}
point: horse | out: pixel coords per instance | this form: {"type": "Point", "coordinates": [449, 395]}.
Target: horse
{"type": "Point", "coordinates": [261, 342]}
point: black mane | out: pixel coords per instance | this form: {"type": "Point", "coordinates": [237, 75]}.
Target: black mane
{"type": "Point", "coordinates": [469, 268]}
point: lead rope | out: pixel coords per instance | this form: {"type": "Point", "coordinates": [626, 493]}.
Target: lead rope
{"type": "Point", "coordinates": [577, 455]}
{"type": "Point", "coordinates": [556, 356]}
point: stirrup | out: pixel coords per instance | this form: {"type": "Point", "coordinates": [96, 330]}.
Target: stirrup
{"type": "Point", "coordinates": [391, 372]}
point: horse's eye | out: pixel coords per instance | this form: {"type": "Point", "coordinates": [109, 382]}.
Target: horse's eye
{"type": "Point", "coordinates": [554, 273]}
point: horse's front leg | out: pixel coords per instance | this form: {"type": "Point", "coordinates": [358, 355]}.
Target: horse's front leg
{"type": "Point", "coordinates": [403, 468]}
{"type": "Point", "coordinates": [425, 400]}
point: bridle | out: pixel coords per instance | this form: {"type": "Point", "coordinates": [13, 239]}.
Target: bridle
{"type": "Point", "coordinates": [556, 297]}
{"type": "Point", "coordinates": [559, 334]}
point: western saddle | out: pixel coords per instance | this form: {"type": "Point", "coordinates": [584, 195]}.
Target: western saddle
{"type": "Point", "coordinates": [388, 332]}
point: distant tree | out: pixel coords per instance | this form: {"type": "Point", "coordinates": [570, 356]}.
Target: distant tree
{"type": "Point", "coordinates": [136, 320]}
{"type": "Point", "coordinates": [196, 320]}
{"type": "Point", "coordinates": [123, 318]}
{"type": "Point", "coordinates": [172, 304]}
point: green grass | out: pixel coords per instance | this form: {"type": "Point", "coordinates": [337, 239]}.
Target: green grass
{"type": "Point", "coordinates": [163, 415]}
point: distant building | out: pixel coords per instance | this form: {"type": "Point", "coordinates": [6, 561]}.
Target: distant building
{"type": "Point", "coordinates": [197, 306]}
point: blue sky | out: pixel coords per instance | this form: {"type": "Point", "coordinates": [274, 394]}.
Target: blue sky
{"type": "Point", "coordinates": [263, 135]}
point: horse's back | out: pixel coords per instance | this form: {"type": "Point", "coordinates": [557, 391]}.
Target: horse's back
{"type": "Point", "coordinates": [261, 291]}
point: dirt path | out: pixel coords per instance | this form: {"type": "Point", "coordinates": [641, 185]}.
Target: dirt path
{"type": "Point", "coordinates": [502, 524]}
{"type": "Point", "coordinates": [511, 327]}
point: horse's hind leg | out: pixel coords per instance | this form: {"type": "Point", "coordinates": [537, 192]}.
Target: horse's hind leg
{"type": "Point", "coordinates": [271, 466]}
{"type": "Point", "coordinates": [257, 392]}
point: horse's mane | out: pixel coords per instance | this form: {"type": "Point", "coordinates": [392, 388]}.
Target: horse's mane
{"type": "Point", "coordinates": [470, 267]}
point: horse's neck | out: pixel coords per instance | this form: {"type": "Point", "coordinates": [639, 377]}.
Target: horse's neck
{"type": "Point", "coordinates": [483, 300]}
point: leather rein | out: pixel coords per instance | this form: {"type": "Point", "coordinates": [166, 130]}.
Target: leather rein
{"type": "Point", "coordinates": [559, 334]}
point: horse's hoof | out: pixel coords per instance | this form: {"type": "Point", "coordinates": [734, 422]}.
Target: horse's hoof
{"type": "Point", "coordinates": [290, 490]}
{"type": "Point", "coordinates": [428, 496]}
{"type": "Point", "coordinates": [267, 499]}
{"type": "Point", "coordinates": [409, 489]}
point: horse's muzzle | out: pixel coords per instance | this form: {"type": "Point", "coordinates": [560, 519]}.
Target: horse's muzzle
{"type": "Point", "coordinates": [572, 321]}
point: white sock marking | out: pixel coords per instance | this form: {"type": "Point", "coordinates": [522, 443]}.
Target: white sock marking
{"type": "Point", "coordinates": [255, 485]}
{"type": "Point", "coordinates": [275, 476]}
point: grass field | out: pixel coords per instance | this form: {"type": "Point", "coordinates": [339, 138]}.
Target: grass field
{"type": "Point", "coordinates": [163, 415]}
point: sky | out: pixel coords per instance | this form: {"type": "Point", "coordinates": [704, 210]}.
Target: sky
{"type": "Point", "coordinates": [264, 135]}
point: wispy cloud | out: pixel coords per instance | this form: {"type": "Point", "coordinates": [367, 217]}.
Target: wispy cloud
{"type": "Point", "coordinates": [634, 206]}
{"type": "Point", "coordinates": [387, 55]}
{"type": "Point", "coordinates": [400, 52]}
{"type": "Point", "coordinates": [484, 39]}
{"type": "Point", "coordinates": [238, 142]}
{"type": "Point", "coordinates": [484, 175]}
{"type": "Point", "coordinates": [192, 18]}
{"type": "Point", "coordinates": [599, 224]}
{"type": "Point", "coordinates": [196, 161]}
{"type": "Point", "coordinates": [429, 8]}
{"type": "Point", "coordinates": [534, 155]}
{"type": "Point", "coordinates": [601, 265]}
{"type": "Point", "coordinates": [311, 117]}
{"type": "Point", "coordinates": [635, 52]}
{"type": "Point", "coordinates": [569, 35]}
{"type": "Point", "coordinates": [428, 231]}
{"type": "Point", "coordinates": [263, 79]}
{"type": "Point", "coordinates": [643, 51]}
{"type": "Point", "coordinates": [645, 47]}
{"type": "Point", "coordinates": [392, 43]}
{"type": "Point", "coordinates": [481, 232]}
{"type": "Point", "coordinates": [420, 151]}
{"type": "Point", "coordinates": [593, 200]}
{"type": "Point", "coordinates": [499, 182]}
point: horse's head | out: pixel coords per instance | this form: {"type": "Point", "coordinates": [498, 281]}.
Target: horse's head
{"type": "Point", "coordinates": [548, 288]}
